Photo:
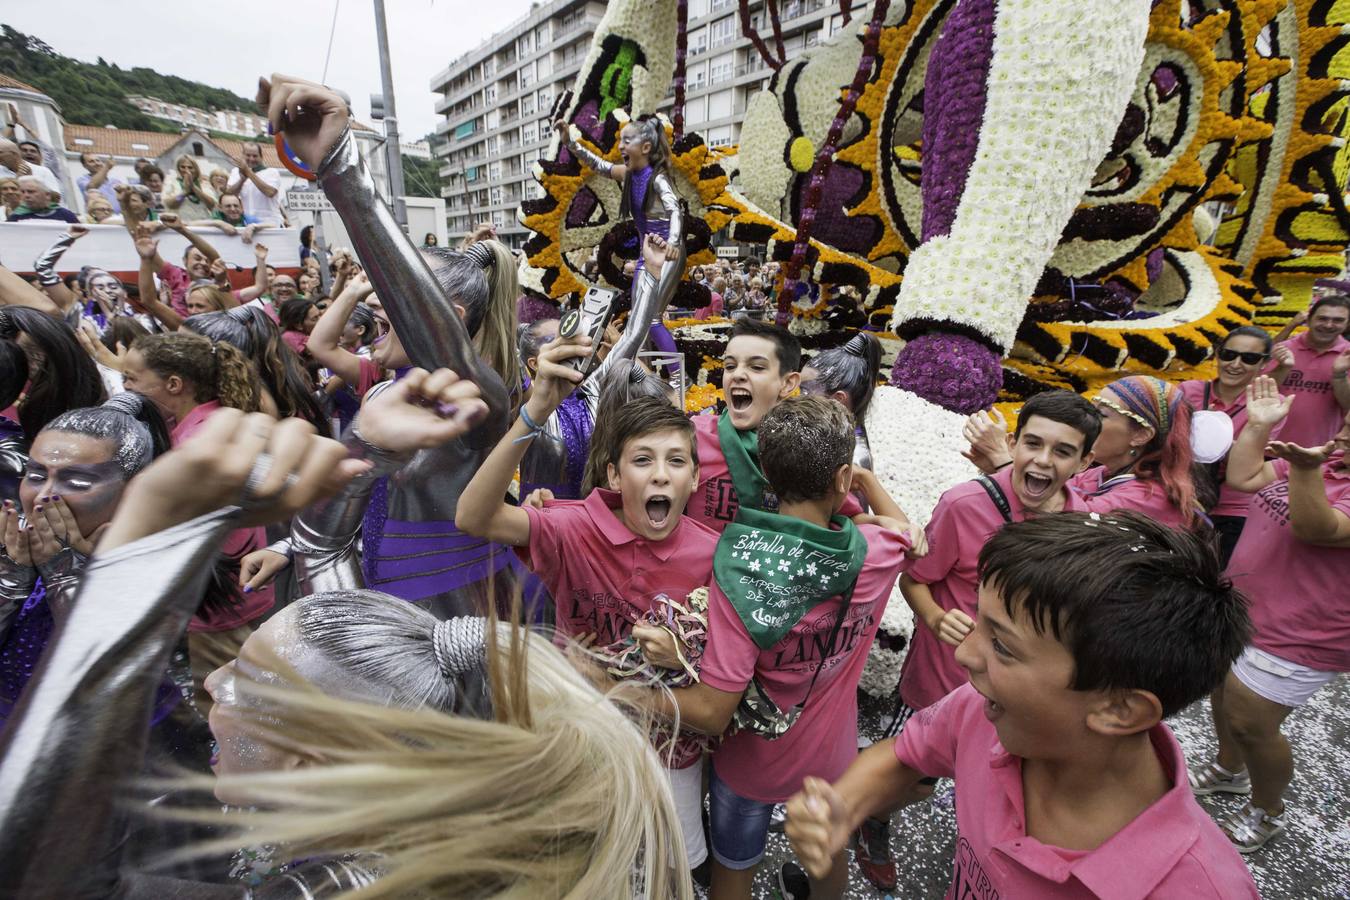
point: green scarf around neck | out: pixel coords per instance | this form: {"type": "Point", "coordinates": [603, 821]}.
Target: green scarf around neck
{"type": "Point", "coordinates": [775, 569]}
{"type": "Point", "coordinates": [741, 451]}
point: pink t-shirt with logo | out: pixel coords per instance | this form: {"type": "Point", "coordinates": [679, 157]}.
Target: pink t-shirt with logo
{"type": "Point", "coordinates": [964, 518]}
{"type": "Point", "coordinates": [1300, 593]}
{"type": "Point", "coordinates": [1315, 416]}
{"type": "Point", "coordinates": [1232, 502]}
{"type": "Point", "coordinates": [823, 740]}
{"type": "Point", "coordinates": [602, 576]}
{"type": "Point", "coordinates": [1100, 494]}
{"type": "Point", "coordinates": [1171, 849]}
{"type": "Point", "coordinates": [238, 544]}
{"type": "Point", "coordinates": [714, 501]}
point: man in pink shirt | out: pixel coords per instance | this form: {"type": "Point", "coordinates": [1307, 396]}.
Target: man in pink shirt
{"type": "Point", "coordinates": [197, 259]}
{"type": "Point", "coordinates": [1092, 629]}
{"type": "Point", "coordinates": [1052, 443]}
{"type": "Point", "coordinates": [607, 558]}
{"type": "Point", "coordinates": [1318, 377]}
{"type": "Point", "coordinates": [795, 602]}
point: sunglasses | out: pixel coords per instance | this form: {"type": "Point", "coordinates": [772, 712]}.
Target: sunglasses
{"type": "Point", "coordinates": [1248, 359]}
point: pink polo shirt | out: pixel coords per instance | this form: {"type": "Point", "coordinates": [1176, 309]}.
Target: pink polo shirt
{"type": "Point", "coordinates": [602, 576]}
{"type": "Point", "coordinates": [1171, 849]}
{"type": "Point", "coordinates": [964, 518]}
{"type": "Point", "coordinates": [1300, 593]}
{"type": "Point", "coordinates": [238, 544]}
{"type": "Point", "coordinates": [824, 739]}
{"type": "Point", "coordinates": [1232, 502]}
{"type": "Point", "coordinates": [1100, 494]}
{"type": "Point", "coordinates": [1315, 416]}
{"type": "Point", "coordinates": [714, 501]}
{"type": "Point", "coordinates": [177, 280]}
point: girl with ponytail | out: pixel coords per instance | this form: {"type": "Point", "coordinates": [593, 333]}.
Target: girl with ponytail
{"type": "Point", "coordinates": [188, 377]}
{"type": "Point", "coordinates": [848, 374]}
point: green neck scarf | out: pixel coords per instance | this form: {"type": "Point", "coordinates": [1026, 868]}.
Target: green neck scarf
{"type": "Point", "coordinates": [775, 569]}
{"type": "Point", "coordinates": [741, 451]}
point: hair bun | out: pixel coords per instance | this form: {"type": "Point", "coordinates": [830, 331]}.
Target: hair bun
{"type": "Point", "coordinates": [459, 645]}
{"type": "Point", "coordinates": [482, 254]}
{"type": "Point", "coordinates": [128, 402]}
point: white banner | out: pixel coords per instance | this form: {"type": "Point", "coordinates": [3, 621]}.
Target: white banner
{"type": "Point", "coordinates": [110, 247]}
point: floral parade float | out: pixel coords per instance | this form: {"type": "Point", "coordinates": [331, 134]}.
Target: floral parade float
{"type": "Point", "coordinates": [1020, 195]}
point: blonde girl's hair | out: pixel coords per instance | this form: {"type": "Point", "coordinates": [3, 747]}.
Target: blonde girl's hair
{"type": "Point", "coordinates": [483, 280]}
{"type": "Point", "coordinates": [216, 370]}
{"type": "Point", "coordinates": [220, 298]}
{"type": "Point", "coordinates": [558, 794]}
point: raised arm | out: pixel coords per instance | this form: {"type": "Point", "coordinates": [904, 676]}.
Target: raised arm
{"type": "Point", "coordinates": [481, 511]}
{"type": "Point", "coordinates": [1247, 467]}
{"type": "Point", "coordinates": [1311, 516]}
{"type": "Point", "coordinates": [261, 281]}
{"type": "Point", "coordinates": [176, 224]}
{"type": "Point", "coordinates": [14, 291]}
{"type": "Point", "coordinates": [45, 268]}
{"type": "Point", "coordinates": [324, 340]}
{"type": "Point", "coordinates": [147, 248]}
{"type": "Point", "coordinates": [589, 158]}
{"type": "Point", "coordinates": [315, 121]}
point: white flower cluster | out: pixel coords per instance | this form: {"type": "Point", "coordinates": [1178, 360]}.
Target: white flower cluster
{"type": "Point", "coordinates": [650, 25]}
{"type": "Point", "coordinates": [1058, 83]}
{"type": "Point", "coordinates": [764, 174]}
{"type": "Point", "coordinates": [916, 454]}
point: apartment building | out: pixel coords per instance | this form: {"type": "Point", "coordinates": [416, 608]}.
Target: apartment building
{"type": "Point", "coordinates": [230, 121]}
{"type": "Point", "coordinates": [496, 99]}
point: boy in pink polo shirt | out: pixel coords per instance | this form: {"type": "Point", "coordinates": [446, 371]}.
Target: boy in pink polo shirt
{"type": "Point", "coordinates": [1052, 443]}
{"type": "Point", "coordinates": [794, 604]}
{"type": "Point", "coordinates": [1092, 629]}
{"type": "Point", "coordinates": [605, 559]}
{"type": "Point", "coordinates": [1318, 377]}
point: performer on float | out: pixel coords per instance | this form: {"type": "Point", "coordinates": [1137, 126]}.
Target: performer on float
{"type": "Point", "coordinates": [443, 308]}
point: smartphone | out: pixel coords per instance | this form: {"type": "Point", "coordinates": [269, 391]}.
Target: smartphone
{"type": "Point", "coordinates": [597, 308]}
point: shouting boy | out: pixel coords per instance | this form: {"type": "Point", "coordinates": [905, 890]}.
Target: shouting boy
{"type": "Point", "coordinates": [605, 559]}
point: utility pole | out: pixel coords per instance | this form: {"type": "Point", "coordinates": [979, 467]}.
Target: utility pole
{"type": "Point", "coordinates": [392, 149]}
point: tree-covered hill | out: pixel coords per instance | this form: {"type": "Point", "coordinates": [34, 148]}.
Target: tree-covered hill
{"type": "Point", "coordinates": [95, 93]}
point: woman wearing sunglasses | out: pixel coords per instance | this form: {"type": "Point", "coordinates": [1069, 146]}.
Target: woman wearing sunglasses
{"type": "Point", "coordinates": [1242, 356]}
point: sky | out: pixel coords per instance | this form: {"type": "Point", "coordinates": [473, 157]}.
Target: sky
{"type": "Point", "coordinates": [229, 43]}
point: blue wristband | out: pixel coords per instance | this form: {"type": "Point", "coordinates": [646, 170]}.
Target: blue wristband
{"type": "Point", "coordinates": [530, 423]}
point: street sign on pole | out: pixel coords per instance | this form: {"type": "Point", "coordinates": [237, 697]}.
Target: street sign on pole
{"type": "Point", "coordinates": [307, 201]}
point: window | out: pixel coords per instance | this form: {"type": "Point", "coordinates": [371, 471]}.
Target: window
{"type": "Point", "coordinates": [197, 149]}
{"type": "Point", "coordinates": [698, 75]}
{"type": "Point", "coordinates": [723, 31]}
{"type": "Point", "coordinates": [719, 137]}
{"type": "Point", "coordinates": [528, 134]}
{"type": "Point", "coordinates": [719, 105]}
{"type": "Point", "coordinates": [526, 76]}
{"type": "Point", "coordinates": [490, 94]}
{"type": "Point", "coordinates": [698, 42]}
{"type": "Point", "coordinates": [721, 69]}
{"type": "Point", "coordinates": [494, 172]}
{"type": "Point", "coordinates": [140, 146]}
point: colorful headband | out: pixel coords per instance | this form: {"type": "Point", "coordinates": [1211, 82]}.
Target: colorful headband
{"type": "Point", "coordinates": [1142, 399]}
{"type": "Point", "coordinates": [482, 254]}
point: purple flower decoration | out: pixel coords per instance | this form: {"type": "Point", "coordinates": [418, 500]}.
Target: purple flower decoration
{"type": "Point", "coordinates": [950, 370]}
{"type": "Point", "coordinates": [531, 308]}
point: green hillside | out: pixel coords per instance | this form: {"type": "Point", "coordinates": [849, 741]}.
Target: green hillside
{"type": "Point", "coordinates": [95, 93]}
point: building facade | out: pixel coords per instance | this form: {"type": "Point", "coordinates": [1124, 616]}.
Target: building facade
{"type": "Point", "coordinates": [495, 100]}
{"type": "Point", "coordinates": [231, 121]}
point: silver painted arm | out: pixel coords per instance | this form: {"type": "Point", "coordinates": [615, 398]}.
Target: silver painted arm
{"type": "Point", "coordinates": [16, 584]}
{"type": "Point", "coordinates": [670, 201]}
{"type": "Point", "coordinates": [45, 265]}
{"type": "Point", "coordinates": [323, 537]}
{"type": "Point", "coordinates": [426, 321]}
{"type": "Point", "coordinates": [591, 159]}
{"type": "Point", "coordinates": [80, 731]}
{"type": "Point", "coordinates": [61, 577]}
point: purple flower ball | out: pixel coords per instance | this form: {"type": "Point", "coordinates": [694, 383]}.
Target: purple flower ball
{"type": "Point", "coordinates": [531, 309]}
{"type": "Point", "coordinates": [950, 370]}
